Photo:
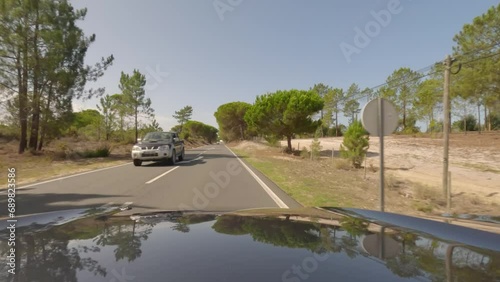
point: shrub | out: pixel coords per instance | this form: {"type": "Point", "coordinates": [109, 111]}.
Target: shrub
{"type": "Point", "coordinates": [8, 133]}
{"type": "Point", "coordinates": [355, 144]}
{"type": "Point", "coordinates": [185, 135]}
{"type": "Point", "coordinates": [411, 130]}
{"type": "Point", "coordinates": [435, 126]}
{"type": "Point", "coordinates": [316, 148]}
{"type": "Point", "coordinates": [304, 153]}
{"type": "Point", "coordinates": [272, 140]}
{"type": "Point", "coordinates": [470, 123]}
{"type": "Point", "coordinates": [63, 151]}
{"type": "Point", "coordinates": [101, 152]}
{"type": "Point", "coordinates": [342, 164]}
{"type": "Point", "coordinates": [340, 131]}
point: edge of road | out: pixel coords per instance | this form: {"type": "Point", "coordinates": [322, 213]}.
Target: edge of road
{"type": "Point", "coordinates": [271, 188]}
{"type": "Point", "coordinates": [3, 189]}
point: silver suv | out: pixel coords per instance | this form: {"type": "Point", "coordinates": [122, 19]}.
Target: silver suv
{"type": "Point", "coordinates": [158, 146]}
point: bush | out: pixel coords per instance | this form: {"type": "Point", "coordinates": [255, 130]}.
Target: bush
{"type": "Point", "coordinates": [101, 152]}
{"type": "Point", "coordinates": [273, 140]}
{"type": "Point", "coordinates": [304, 153]}
{"type": "Point", "coordinates": [355, 144]}
{"type": "Point", "coordinates": [9, 133]}
{"type": "Point", "coordinates": [470, 123]}
{"type": "Point", "coordinates": [342, 164]}
{"type": "Point", "coordinates": [316, 148]}
{"type": "Point", "coordinates": [340, 131]}
{"type": "Point", "coordinates": [435, 126]}
{"type": "Point", "coordinates": [185, 135]}
{"type": "Point", "coordinates": [63, 151]}
{"type": "Point", "coordinates": [411, 130]}
{"type": "Point", "coordinates": [494, 118]}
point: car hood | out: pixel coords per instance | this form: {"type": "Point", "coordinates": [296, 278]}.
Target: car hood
{"type": "Point", "coordinates": [313, 244]}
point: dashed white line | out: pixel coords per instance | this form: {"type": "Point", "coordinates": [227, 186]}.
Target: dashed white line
{"type": "Point", "coordinates": [161, 175]}
{"type": "Point", "coordinates": [195, 159]}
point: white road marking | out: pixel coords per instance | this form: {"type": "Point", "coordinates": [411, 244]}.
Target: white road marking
{"type": "Point", "coordinates": [186, 162]}
{"type": "Point", "coordinates": [266, 188]}
{"type": "Point", "coordinates": [161, 175]}
{"type": "Point", "coordinates": [69, 176]}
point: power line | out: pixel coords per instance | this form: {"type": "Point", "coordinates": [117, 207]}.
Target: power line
{"type": "Point", "coordinates": [481, 58]}
{"type": "Point", "coordinates": [488, 48]}
{"type": "Point", "coordinates": [425, 69]}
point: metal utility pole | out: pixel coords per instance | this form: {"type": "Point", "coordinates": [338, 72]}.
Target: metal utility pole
{"type": "Point", "coordinates": [446, 123]}
{"type": "Point", "coordinates": [380, 119]}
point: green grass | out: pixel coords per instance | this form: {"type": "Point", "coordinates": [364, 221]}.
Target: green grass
{"type": "Point", "coordinates": [308, 191]}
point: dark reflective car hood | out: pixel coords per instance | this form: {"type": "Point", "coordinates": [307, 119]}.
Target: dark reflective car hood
{"type": "Point", "coordinates": [309, 244]}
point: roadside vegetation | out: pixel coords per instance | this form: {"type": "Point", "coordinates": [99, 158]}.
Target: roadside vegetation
{"type": "Point", "coordinates": [417, 95]}
{"type": "Point", "coordinates": [42, 74]}
{"type": "Point", "coordinates": [287, 115]}
{"type": "Point", "coordinates": [334, 182]}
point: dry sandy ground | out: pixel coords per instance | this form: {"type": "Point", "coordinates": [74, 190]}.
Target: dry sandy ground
{"type": "Point", "coordinates": [474, 161]}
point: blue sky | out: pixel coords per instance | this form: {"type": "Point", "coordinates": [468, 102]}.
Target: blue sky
{"type": "Point", "coordinates": [194, 54]}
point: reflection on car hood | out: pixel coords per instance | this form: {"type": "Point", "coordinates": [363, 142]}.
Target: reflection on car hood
{"type": "Point", "coordinates": [308, 244]}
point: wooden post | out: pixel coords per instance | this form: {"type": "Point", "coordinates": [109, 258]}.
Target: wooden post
{"type": "Point", "coordinates": [365, 167]}
{"type": "Point", "coordinates": [448, 193]}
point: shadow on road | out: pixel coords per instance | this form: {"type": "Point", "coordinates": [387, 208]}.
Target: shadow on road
{"type": "Point", "coordinates": [29, 203]}
{"type": "Point", "coordinates": [192, 160]}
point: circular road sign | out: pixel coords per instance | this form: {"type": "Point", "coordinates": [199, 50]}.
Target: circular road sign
{"type": "Point", "coordinates": [369, 117]}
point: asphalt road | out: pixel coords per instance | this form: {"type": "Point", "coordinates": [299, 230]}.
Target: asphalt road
{"type": "Point", "coordinates": [211, 178]}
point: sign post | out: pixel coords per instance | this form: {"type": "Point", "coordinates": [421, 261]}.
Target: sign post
{"type": "Point", "coordinates": [380, 118]}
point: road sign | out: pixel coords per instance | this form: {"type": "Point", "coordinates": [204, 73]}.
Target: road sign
{"type": "Point", "coordinates": [380, 118]}
{"type": "Point", "coordinates": [370, 120]}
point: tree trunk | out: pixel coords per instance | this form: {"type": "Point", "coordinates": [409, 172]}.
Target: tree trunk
{"type": "Point", "coordinates": [336, 124]}
{"type": "Point", "coordinates": [485, 117]}
{"type": "Point", "coordinates": [404, 115]}
{"type": "Point", "coordinates": [489, 120]}
{"type": "Point", "coordinates": [99, 130]}
{"type": "Point", "coordinates": [289, 143]}
{"type": "Point", "coordinates": [35, 118]}
{"type": "Point", "coordinates": [479, 118]}
{"type": "Point", "coordinates": [136, 126]}
{"type": "Point", "coordinates": [45, 119]}
{"type": "Point", "coordinates": [23, 98]}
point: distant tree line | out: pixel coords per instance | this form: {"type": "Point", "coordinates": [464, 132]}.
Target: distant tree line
{"type": "Point", "coordinates": [417, 95]}
{"type": "Point", "coordinates": [193, 130]}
